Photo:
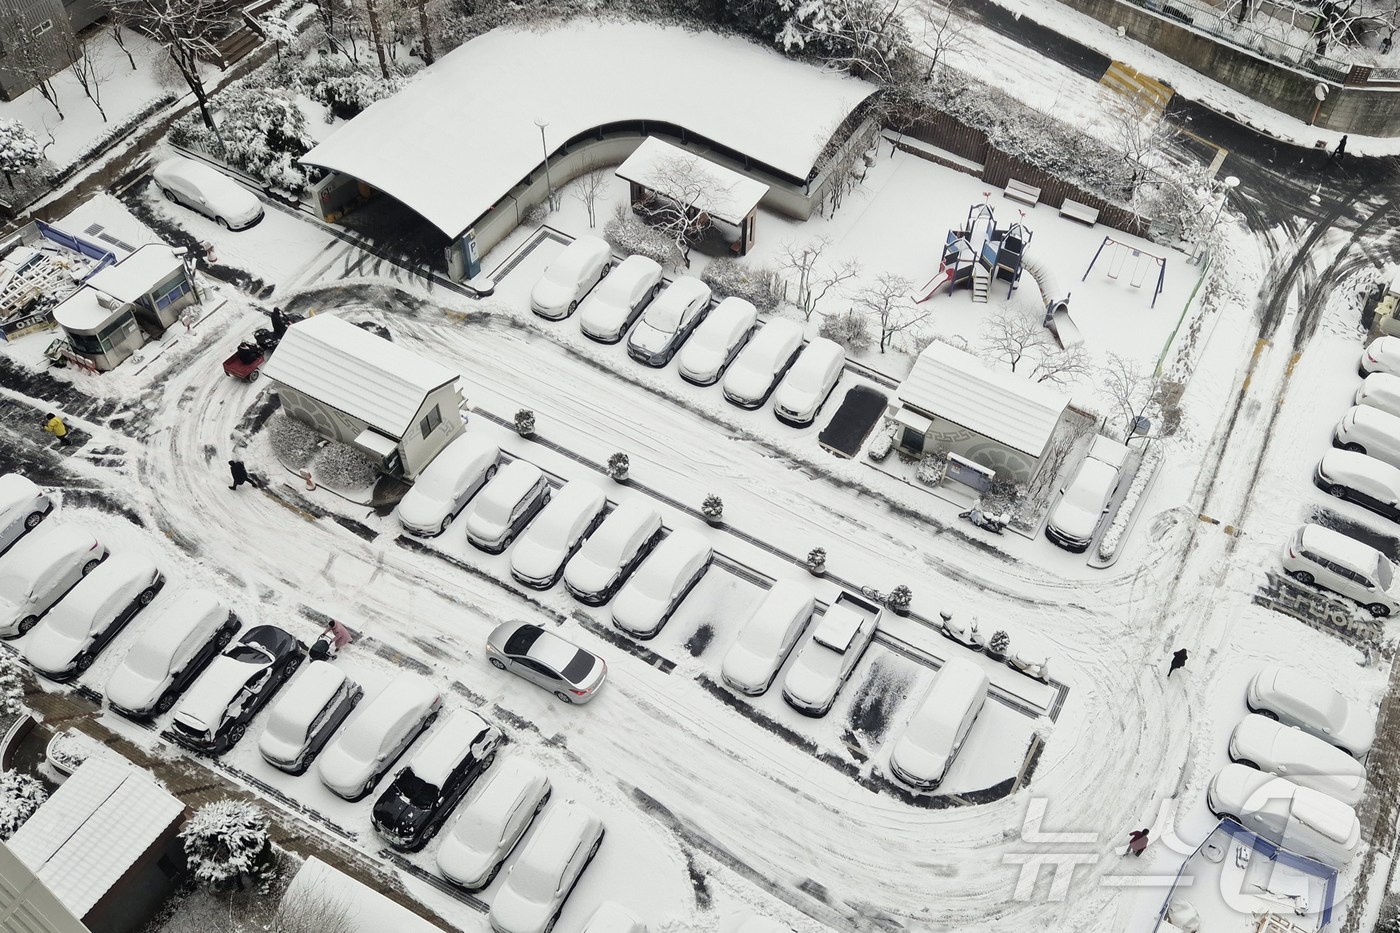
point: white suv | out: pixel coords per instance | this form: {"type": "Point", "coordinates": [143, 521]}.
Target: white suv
{"type": "Point", "coordinates": [1331, 560]}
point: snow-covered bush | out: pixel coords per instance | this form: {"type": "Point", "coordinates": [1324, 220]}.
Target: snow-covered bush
{"type": "Point", "coordinates": [930, 469]}
{"type": "Point", "coordinates": [734, 278]}
{"type": "Point", "coordinates": [626, 233]}
{"type": "Point", "coordinates": [850, 328]}
{"type": "Point", "coordinates": [712, 507]}
{"type": "Point", "coordinates": [618, 465]}
{"type": "Point", "coordinates": [20, 795]}
{"type": "Point", "coordinates": [816, 560]}
{"type": "Point", "coordinates": [11, 685]}
{"type": "Point", "coordinates": [899, 598]}
{"type": "Point", "coordinates": [19, 150]}
{"type": "Point", "coordinates": [882, 443]}
{"type": "Point", "coordinates": [67, 750]}
{"type": "Point", "coordinates": [525, 423]}
{"type": "Point", "coordinates": [226, 841]}
{"type": "Point", "coordinates": [344, 467]}
{"type": "Point", "coordinates": [262, 131]}
{"type": "Point", "coordinates": [311, 911]}
{"type": "Point", "coordinates": [293, 441]}
{"type": "Point", "coordinates": [345, 87]}
{"type": "Point", "coordinates": [1108, 544]}
{"type": "Point", "coordinates": [1000, 643]}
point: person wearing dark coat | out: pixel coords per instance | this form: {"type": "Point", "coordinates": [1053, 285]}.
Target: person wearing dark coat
{"type": "Point", "coordinates": [279, 322]}
{"type": "Point", "coordinates": [1137, 841]}
{"type": "Point", "coordinates": [239, 472]}
{"type": "Point", "coordinates": [1178, 661]}
{"type": "Point", "coordinates": [1340, 151]}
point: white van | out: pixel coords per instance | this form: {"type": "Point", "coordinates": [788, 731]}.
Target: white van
{"type": "Point", "coordinates": [92, 614]}
{"type": "Point", "coordinates": [36, 574]}
{"type": "Point", "coordinates": [1300, 819]}
{"type": "Point", "coordinates": [1380, 390]}
{"type": "Point", "coordinates": [173, 648]}
{"type": "Point", "coordinates": [1331, 560]}
{"type": "Point", "coordinates": [1368, 430]}
{"type": "Point", "coordinates": [752, 663]}
{"type": "Point", "coordinates": [934, 736]}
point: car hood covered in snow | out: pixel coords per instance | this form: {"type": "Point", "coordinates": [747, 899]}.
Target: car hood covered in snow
{"type": "Point", "coordinates": [53, 651]}
{"type": "Point", "coordinates": [423, 510]}
{"type": "Point", "coordinates": [646, 337]}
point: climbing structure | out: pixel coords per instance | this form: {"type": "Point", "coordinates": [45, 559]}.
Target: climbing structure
{"type": "Point", "coordinates": [980, 253]}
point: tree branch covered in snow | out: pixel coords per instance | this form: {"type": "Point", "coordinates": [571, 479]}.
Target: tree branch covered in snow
{"type": "Point", "coordinates": [1147, 465]}
{"type": "Point", "coordinates": [19, 150]}
{"type": "Point", "coordinates": [226, 841]}
{"type": "Point", "coordinates": [813, 277]}
{"type": "Point", "coordinates": [261, 130]}
{"type": "Point", "coordinates": [626, 233]}
{"type": "Point", "coordinates": [20, 795]}
{"type": "Point", "coordinates": [183, 28]}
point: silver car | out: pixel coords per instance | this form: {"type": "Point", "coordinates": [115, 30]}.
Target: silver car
{"type": "Point", "coordinates": [561, 667]}
{"type": "Point", "coordinates": [23, 506]}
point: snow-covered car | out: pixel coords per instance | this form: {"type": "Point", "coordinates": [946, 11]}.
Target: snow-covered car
{"type": "Point", "coordinates": [23, 505]}
{"type": "Point", "coordinates": [1380, 390]}
{"type": "Point", "coordinates": [612, 917]}
{"type": "Point", "coordinates": [651, 595]}
{"type": "Point", "coordinates": [827, 659]}
{"type": "Point", "coordinates": [613, 307]}
{"type": "Point", "coordinates": [306, 715]}
{"type": "Point", "coordinates": [506, 506]}
{"type": "Point", "coordinates": [715, 343]}
{"type": "Point", "coordinates": [488, 826]}
{"type": "Point", "coordinates": [613, 551]}
{"type": "Point", "coordinates": [1263, 743]}
{"type": "Point", "coordinates": [379, 731]}
{"type": "Point", "coordinates": [442, 769]}
{"type": "Point", "coordinates": [936, 732]}
{"type": "Point", "coordinates": [1300, 819]}
{"type": "Point", "coordinates": [557, 533]}
{"type": "Point", "coordinates": [668, 321]}
{"type": "Point", "coordinates": [1382, 355]}
{"type": "Point", "coordinates": [90, 616]}
{"type": "Point", "coordinates": [37, 574]}
{"type": "Point", "coordinates": [762, 362]}
{"type": "Point", "coordinates": [214, 715]}
{"type": "Point", "coordinates": [447, 485]}
{"type": "Point", "coordinates": [1367, 430]}
{"type": "Point", "coordinates": [1361, 479]}
{"type": "Point", "coordinates": [175, 644]}
{"type": "Point", "coordinates": [808, 384]}
{"type": "Point", "coordinates": [571, 673]}
{"type": "Point", "coordinates": [753, 661]}
{"type": "Point", "coordinates": [539, 883]}
{"type": "Point", "coordinates": [1319, 556]}
{"type": "Point", "coordinates": [1083, 502]}
{"type": "Point", "coordinates": [209, 192]}
{"type": "Point", "coordinates": [578, 267]}
{"type": "Point", "coordinates": [1305, 702]}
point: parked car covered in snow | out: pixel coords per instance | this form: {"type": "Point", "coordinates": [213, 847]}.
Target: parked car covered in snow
{"type": "Point", "coordinates": [378, 732]}
{"type": "Point", "coordinates": [936, 732]}
{"type": "Point", "coordinates": [500, 807]}
{"type": "Point", "coordinates": [208, 191]}
{"type": "Point", "coordinates": [90, 616]}
{"type": "Point", "coordinates": [716, 341]}
{"type": "Point", "coordinates": [1332, 561]}
{"type": "Point", "coordinates": [578, 267]}
{"type": "Point", "coordinates": [614, 306]}
{"type": "Point", "coordinates": [808, 384]}
{"type": "Point", "coordinates": [442, 768]}
{"type": "Point", "coordinates": [1362, 479]}
{"type": "Point", "coordinates": [557, 533]}
{"type": "Point", "coordinates": [1269, 745]}
{"type": "Point", "coordinates": [306, 715]}
{"type": "Point", "coordinates": [23, 505]}
{"type": "Point", "coordinates": [647, 600]}
{"type": "Point", "coordinates": [36, 574]}
{"type": "Point", "coordinates": [214, 715]}
{"type": "Point", "coordinates": [506, 506]}
{"type": "Point", "coordinates": [762, 362]}
{"type": "Point", "coordinates": [1367, 430]}
{"type": "Point", "coordinates": [612, 917]}
{"type": "Point", "coordinates": [753, 661]}
{"type": "Point", "coordinates": [1305, 702]}
{"type": "Point", "coordinates": [1382, 355]}
{"type": "Point", "coordinates": [826, 661]}
{"type": "Point", "coordinates": [533, 894]}
{"type": "Point", "coordinates": [1380, 390]}
{"type": "Point", "coordinates": [443, 489]}
{"type": "Point", "coordinates": [1083, 502]}
{"type": "Point", "coordinates": [175, 644]}
{"type": "Point", "coordinates": [612, 552]}
{"type": "Point", "coordinates": [668, 321]}
{"type": "Point", "coordinates": [571, 673]}
{"type": "Point", "coordinates": [1300, 819]}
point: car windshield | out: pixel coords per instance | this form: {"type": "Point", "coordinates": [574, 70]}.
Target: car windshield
{"type": "Point", "coordinates": [147, 660]}
{"type": "Point", "coordinates": [252, 654]}
{"type": "Point", "coordinates": [494, 511]}
{"type": "Point", "coordinates": [416, 790]}
{"type": "Point", "coordinates": [805, 378]}
{"type": "Point", "coordinates": [665, 315]}
{"type": "Point", "coordinates": [537, 880]}
{"type": "Point", "coordinates": [1384, 576]}
{"type": "Point", "coordinates": [579, 667]}
{"type": "Point", "coordinates": [522, 639]}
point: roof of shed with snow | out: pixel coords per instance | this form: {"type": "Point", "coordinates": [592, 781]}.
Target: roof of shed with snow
{"type": "Point", "coordinates": [354, 371]}
{"type": "Point", "coordinates": [669, 170]}
{"type": "Point", "coordinates": [958, 387]}
{"type": "Point", "coordinates": [463, 132]}
{"type": "Point", "coordinates": [83, 839]}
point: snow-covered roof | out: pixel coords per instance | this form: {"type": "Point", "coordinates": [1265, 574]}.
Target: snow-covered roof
{"type": "Point", "coordinates": [463, 133]}
{"type": "Point", "coordinates": [366, 910]}
{"type": "Point", "coordinates": [138, 273]}
{"type": "Point", "coordinates": [359, 373]}
{"type": "Point", "coordinates": [665, 169]}
{"type": "Point", "coordinates": [99, 821]}
{"type": "Point", "coordinates": [958, 387]}
{"type": "Point", "coordinates": [88, 310]}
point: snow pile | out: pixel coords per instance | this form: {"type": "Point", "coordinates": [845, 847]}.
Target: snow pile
{"type": "Point", "coordinates": [344, 467]}
{"type": "Point", "coordinates": [293, 441]}
{"type": "Point", "coordinates": [883, 443]}
{"type": "Point", "coordinates": [729, 278]}
{"type": "Point", "coordinates": [225, 840]}
{"type": "Point", "coordinates": [1147, 466]}
{"type": "Point", "coordinates": [20, 796]}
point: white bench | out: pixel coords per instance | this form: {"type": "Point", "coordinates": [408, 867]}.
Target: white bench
{"type": "Point", "coordinates": [1020, 191]}
{"type": "Point", "coordinates": [1077, 211]}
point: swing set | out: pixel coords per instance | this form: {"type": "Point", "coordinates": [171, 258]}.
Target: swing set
{"type": "Point", "coordinates": [1143, 261]}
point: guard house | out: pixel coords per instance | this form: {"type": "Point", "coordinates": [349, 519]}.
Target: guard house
{"type": "Point", "coordinates": [953, 401]}
{"type": "Point", "coordinates": [708, 192]}
{"type": "Point", "coordinates": [349, 385]}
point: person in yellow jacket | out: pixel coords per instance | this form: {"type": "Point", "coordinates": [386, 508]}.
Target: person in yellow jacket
{"type": "Point", "coordinates": [58, 429]}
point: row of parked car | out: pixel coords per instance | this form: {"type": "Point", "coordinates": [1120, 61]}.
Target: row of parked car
{"type": "Point", "coordinates": [662, 321]}
{"type": "Point", "coordinates": [1297, 769]}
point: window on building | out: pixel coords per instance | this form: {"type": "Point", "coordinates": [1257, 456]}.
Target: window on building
{"type": "Point", "coordinates": [172, 293]}
{"type": "Point", "coordinates": [42, 28]}
{"type": "Point", "coordinates": [430, 421]}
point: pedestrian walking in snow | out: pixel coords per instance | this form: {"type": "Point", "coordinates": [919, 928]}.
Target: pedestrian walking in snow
{"type": "Point", "coordinates": [55, 426]}
{"type": "Point", "coordinates": [239, 473]}
{"type": "Point", "coordinates": [1340, 151]}
{"type": "Point", "coordinates": [279, 323]}
{"type": "Point", "coordinates": [1178, 661]}
{"type": "Point", "coordinates": [1137, 841]}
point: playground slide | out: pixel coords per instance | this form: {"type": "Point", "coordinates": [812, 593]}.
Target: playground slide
{"type": "Point", "coordinates": [1064, 329]}
{"type": "Point", "coordinates": [1056, 306]}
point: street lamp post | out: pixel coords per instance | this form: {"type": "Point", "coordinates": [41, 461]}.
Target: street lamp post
{"type": "Point", "coordinates": [541, 123]}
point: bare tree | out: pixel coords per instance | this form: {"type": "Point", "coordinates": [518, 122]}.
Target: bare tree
{"type": "Point", "coordinates": [1132, 389]}
{"type": "Point", "coordinates": [886, 301]}
{"type": "Point", "coordinates": [1142, 136]}
{"type": "Point", "coordinates": [376, 35]}
{"type": "Point", "coordinates": [114, 26]}
{"type": "Point", "coordinates": [1021, 340]}
{"type": "Point", "coordinates": [682, 188]}
{"type": "Point", "coordinates": [84, 66]}
{"type": "Point", "coordinates": [312, 912]}
{"type": "Point", "coordinates": [180, 27]}
{"type": "Point", "coordinates": [1060, 365]}
{"type": "Point", "coordinates": [814, 277]}
{"type": "Point", "coordinates": [587, 189]}
{"type": "Point", "coordinates": [33, 58]}
{"type": "Point", "coordinates": [945, 34]}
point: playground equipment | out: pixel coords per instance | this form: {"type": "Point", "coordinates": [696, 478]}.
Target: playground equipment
{"type": "Point", "coordinates": [980, 253]}
{"type": "Point", "coordinates": [1057, 319]}
{"type": "Point", "coordinates": [1143, 261]}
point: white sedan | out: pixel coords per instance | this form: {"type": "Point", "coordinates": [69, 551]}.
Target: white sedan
{"type": "Point", "coordinates": [752, 662]}
{"type": "Point", "coordinates": [379, 732]}
{"type": "Point", "coordinates": [668, 321]}
{"type": "Point", "coordinates": [501, 806]}
{"type": "Point", "coordinates": [646, 601]}
{"type": "Point", "coordinates": [1306, 760]}
{"type": "Point", "coordinates": [613, 307]}
{"type": "Point", "coordinates": [533, 894]}
{"type": "Point", "coordinates": [23, 506]}
{"type": "Point", "coordinates": [762, 362]}
{"type": "Point", "coordinates": [1381, 356]}
{"type": "Point", "coordinates": [556, 533]}
{"type": "Point", "coordinates": [444, 488]}
{"type": "Point", "coordinates": [581, 265]}
{"type": "Point", "coordinates": [208, 191]}
{"type": "Point", "coordinates": [1297, 699]}
{"type": "Point", "coordinates": [1083, 502]}
{"type": "Point", "coordinates": [40, 571]}
{"type": "Point", "coordinates": [805, 388]}
{"type": "Point", "coordinates": [716, 342]}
